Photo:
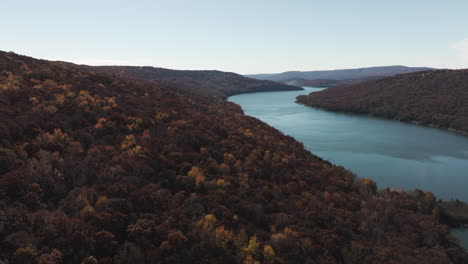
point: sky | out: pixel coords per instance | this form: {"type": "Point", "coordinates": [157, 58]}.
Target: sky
{"type": "Point", "coordinates": [243, 36]}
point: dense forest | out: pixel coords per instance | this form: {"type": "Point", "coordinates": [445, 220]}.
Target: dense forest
{"type": "Point", "coordinates": [96, 168]}
{"type": "Point", "coordinates": [434, 98]}
{"type": "Point", "coordinates": [212, 83]}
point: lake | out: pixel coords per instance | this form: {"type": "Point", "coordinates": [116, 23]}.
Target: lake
{"type": "Point", "coordinates": [392, 153]}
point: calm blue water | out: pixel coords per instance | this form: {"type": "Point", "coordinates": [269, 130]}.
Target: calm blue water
{"type": "Point", "coordinates": [394, 154]}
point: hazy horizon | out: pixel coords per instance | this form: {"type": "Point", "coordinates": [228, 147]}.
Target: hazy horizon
{"type": "Point", "coordinates": [258, 73]}
{"type": "Point", "coordinates": [244, 37]}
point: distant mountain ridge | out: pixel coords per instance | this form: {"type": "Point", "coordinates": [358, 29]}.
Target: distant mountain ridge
{"type": "Point", "coordinates": [343, 74]}
{"type": "Point", "coordinates": [329, 82]}
{"type": "Point", "coordinates": [212, 83]}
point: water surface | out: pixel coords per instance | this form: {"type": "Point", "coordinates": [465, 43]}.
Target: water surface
{"type": "Point", "coordinates": [392, 153]}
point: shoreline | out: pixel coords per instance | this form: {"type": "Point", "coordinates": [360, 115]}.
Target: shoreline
{"type": "Point", "coordinates": [413, 122]}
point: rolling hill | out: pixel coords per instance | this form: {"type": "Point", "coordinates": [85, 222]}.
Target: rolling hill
{"type": "Point", "coordinates": [96, 168]}
{"type": "Point", "coordinates": [213, 83]}
{"type": "Point", "coordinates": [434, 98]}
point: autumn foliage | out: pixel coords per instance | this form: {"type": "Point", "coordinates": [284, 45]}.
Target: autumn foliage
{"type": "Point", "coordinates": [434, 98]}
{"type": "Point", "coordinates": [212, 83]}
{"type": "Point", "coordinates": [100, 169]}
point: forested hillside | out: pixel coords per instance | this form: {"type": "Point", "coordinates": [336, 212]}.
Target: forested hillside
{"type": "Point", "coordinates": [100, 169]}
{"type": "Point", "coordinates": [213, 83]}
{"type": "Point", "coordinates": [434, 98]}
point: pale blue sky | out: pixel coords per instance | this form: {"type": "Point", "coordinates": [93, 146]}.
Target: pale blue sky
{"type": "Point", "coordinates": [244, 36]}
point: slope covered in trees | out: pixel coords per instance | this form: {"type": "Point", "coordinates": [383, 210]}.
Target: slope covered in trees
{"type": "Point", "coordinates": [100, 169]}
{"type": "Point", "coordinates": [215, 83]}
{"type": "Point", "coordinates": [434, 98]}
